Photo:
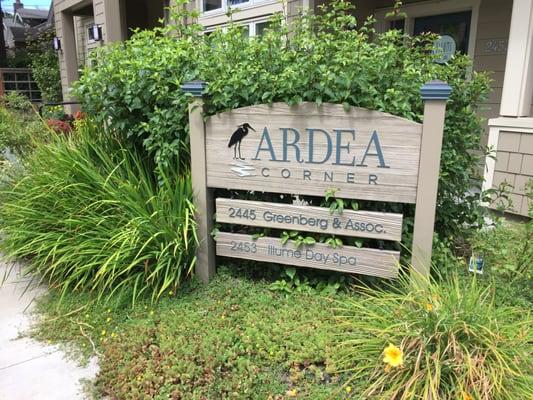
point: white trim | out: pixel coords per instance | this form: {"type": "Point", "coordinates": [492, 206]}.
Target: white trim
{"type": "Point", "coordinates": [430, 8]}
{"type": "Point", "coordinates": [490, 162]}
{"type": "Point", "coordinates": [251, 23]}
{"type": "Point", "coordinates": [260, 9]}
{"type": "Point", "coordinates": [250, 4]}
{"type": "Point", "coordinates": [506, 123]}
{"type": "Point", "coordinates": [518, 79]}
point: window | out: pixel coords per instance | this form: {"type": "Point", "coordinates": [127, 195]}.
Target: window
{"type": "Point", "coordinates": [261, 27]}
{"type": "Point", "coordinates": [210, 5]}
{"type": "Point", "coordinates": [249, 28]}
{"type": "Point", "coordinates": [454, 20]}
{"type": "Point", "coordinates": [219, 6]}
{"type": "Point", "coordinates": [454, 30]}
{"type": "Point", "coordinates": [398, 24]}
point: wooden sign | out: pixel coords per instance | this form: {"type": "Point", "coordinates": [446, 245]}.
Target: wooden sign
{"type": "Point", "coordinates": [349, 259]}
{"type": "Point", "coordinates": [367, 224]}
{"type": "Point", "coordinates": [310, 150]}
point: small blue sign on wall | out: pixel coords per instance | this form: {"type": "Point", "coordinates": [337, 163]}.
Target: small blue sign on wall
{"type": "Point", "coordinates": [476, 264]}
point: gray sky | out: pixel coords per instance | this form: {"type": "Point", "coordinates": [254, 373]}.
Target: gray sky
{"type": "Point", "coordinates": [7, 5]}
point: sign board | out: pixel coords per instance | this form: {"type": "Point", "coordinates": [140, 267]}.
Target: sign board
{"type": "Point", "coordinates": [308, 149]}
{"type": "Point", "coordinates": [349, 259]}
{"type": "Point", "coordinates": [369, 224]}
{"type": "Point", "coordinates": [311, 150]}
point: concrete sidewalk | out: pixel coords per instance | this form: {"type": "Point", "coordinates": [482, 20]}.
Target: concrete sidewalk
{"type": "Point", "coordinates": [31, 370]}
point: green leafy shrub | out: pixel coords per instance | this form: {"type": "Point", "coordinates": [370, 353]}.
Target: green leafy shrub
{"type": "Point", "coordinates": [140, 97]}
{"type": "Point", "coordinates": [20, 126]}
{"type": "Point", "coordinates": [19, 58]}
{"type": "Point", "coordinates": [449, 341]}
{"type": "Point", "coordinates": [44, 64]}
{"type": "Point", "coordinates": [135, 87]}
{"type": "Point", "coordinates": [87, 214]}
{"type": "Point", "coordinates": [507, 251]}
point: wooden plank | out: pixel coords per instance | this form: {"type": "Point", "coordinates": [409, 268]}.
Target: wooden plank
{"type": "Point", "coordinates": [368, 224]}
{"type": "Point", "coordinates": [382, 263]}
{"type": "Point", "coordinates": [301, 137]}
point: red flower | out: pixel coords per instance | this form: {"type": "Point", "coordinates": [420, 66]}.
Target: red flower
{"type": "Point", "coordinates": [59, 126]}
{"type": "Point", "coordinates": [79, 115]}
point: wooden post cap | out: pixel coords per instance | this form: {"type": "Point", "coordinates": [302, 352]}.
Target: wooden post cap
{"type": "Point", "coordinates": [196, 88]}
{"type": "Point", "coordinates": [435, 90]}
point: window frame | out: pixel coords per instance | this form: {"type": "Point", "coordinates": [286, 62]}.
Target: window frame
{"type": "Point", "coordinates": [251, 23]}
{"type": "Point", "coordinates": [225, 6]}
{"type": "Point", "coordinates": [429, 9]}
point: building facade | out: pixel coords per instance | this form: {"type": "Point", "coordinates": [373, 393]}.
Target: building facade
{"type": "Point", "coordinates": [82, 25]}
{"type": "Point", "coordinates": [496, 34]}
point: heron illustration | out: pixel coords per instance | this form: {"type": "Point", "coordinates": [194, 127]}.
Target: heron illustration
{"type": "Point", "coordinates": [237, 137]}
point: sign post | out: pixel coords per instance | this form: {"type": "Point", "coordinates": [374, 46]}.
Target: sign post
{"type": "Point", "coordinates": [312, 150]}
{"type": "Point", "coordinates": [435, 94]}
{"type": "Point", "coordinates": [203, 196]}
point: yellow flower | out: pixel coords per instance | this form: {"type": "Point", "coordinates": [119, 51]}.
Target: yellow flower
{"type": "Point", "coordinates": [152, 312]}
{"type": "Point", "coordinates": [348, 389]}
{"type": "Point", "coordinates": [103, 332]}
{"type": "Point", "coordinates": [393, 356]}
{"type": "Point", "coordinates": [429, 307]}
{"type": "Point", "coordinates": [292, 393]}
{"type": "Point", "coordinates": [108, 319]}
{"type": "Point", "coordinates": [466, 396]}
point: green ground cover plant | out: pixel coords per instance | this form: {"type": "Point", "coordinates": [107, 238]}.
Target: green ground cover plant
{"type": "Point", "coordinates": [242, 337]}
{"type": "Point", "coordinates": [234, 338]}
{"type": "Point", "coordinates": [86, 213]}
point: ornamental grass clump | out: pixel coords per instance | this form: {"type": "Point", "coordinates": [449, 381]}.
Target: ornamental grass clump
{"type": "Point", "coordinates": [434, 341]}
{"type": "Point", "coordinates": [87, 213]}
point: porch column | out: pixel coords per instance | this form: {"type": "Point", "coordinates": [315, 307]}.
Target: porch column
{"type": "Point", "coordinates": [69, 52]}
{"type": "Point", "coordinates": [518, 80]}
{"type": "Point", "coordinates": [114, 21]}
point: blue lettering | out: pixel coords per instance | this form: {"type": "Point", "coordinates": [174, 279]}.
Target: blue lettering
{"type": "Point", "coordinates": [293, 144]}
{"type": "Point", "coordinates": [265, 137]}
{"type": "Point", "coordinates": [340, 147]}
{"type": "Point", "coordinates": [311, 141]}
{"type": "Point", "coordinates": [374, 139]}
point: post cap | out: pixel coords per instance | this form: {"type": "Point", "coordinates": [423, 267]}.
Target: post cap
{"type": "Point", "coordinates": [196, 88]}
{"type": "Point", "coordinates": [435, 90]}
